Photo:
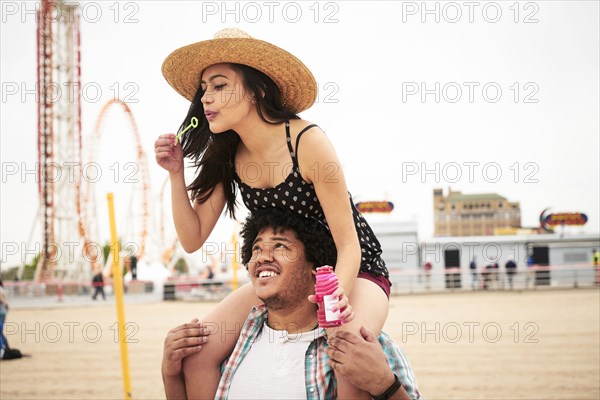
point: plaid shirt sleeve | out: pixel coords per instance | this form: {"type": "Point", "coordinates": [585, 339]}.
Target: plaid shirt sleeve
{"type": "Point", "coordinates": [320, 378]}
{"type": "Point", "coordinates": [400, 366]}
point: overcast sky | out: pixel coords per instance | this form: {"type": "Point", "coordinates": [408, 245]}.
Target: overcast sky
{"type": "Point", "coordinates": [482, 97]}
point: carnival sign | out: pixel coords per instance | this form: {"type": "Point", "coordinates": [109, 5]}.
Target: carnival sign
{"type": "Point", "coordinates": [375, 206]}
{"type": "Point", "coordinates": [549, 221]}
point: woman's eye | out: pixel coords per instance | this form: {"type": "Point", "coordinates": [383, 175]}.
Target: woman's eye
{"type": "Point", "coordinates": [221, 86]}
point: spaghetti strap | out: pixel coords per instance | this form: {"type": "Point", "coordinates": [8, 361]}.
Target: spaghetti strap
{"type": "Point", "coordinates": [298, 139]}
{"type": "Point", "coordinates": [289, 140]}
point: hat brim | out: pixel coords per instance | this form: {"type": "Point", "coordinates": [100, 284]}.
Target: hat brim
{"type": "Point", "coordinates": [183, 68]}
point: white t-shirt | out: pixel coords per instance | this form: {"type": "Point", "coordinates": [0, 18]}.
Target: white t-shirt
{"type": "Point", "coordinates": [273, 368]}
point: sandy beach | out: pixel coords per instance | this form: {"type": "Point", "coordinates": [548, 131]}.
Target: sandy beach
{"type": "Point", "coordinates": [496, 345]}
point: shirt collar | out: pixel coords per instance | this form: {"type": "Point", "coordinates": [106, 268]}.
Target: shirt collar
{"type": "Point", "coordinates": [260, 312]}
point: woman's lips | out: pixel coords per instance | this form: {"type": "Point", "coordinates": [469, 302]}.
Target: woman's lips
{"type": "Point", "coordinates": [210, 115]}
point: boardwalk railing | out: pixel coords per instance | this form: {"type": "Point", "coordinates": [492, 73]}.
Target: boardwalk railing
{"type": "Point", "coordinates": [403, 282]}
{"type": "Point", "coordinates": [534, 277]}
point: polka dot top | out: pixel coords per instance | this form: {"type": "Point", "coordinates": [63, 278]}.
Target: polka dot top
{"type": "Point", "coordinates": [298, 196]}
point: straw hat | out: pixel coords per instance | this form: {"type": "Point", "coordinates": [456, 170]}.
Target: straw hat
{"type": "Point", "coordinates": [183, 67]}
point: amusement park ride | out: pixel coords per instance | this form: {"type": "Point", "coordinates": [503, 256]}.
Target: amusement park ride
{"type": "Point", "coordinates": [68, 206]}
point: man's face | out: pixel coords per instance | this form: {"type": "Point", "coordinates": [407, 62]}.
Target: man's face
{"type": "Point", "coordinates": [278, 269]}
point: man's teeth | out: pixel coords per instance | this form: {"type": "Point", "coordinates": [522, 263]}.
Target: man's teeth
{"type": "Point", "coordinates": [265, 274]}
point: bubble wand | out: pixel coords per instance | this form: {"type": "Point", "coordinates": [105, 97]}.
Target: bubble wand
{"type": "Point", "coordinates": [193, 124]}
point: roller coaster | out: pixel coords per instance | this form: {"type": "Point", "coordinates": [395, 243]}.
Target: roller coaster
{"type": "Point", "coordinates": [68, 207]}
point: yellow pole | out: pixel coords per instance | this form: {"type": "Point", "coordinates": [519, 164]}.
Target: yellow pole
{"type": "Point", "coordinates": [234, 263]}
{"type": "Point", "coordinates": [118, 288]}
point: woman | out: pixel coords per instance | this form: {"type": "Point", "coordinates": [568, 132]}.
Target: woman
{"type": "Point", "coordinates": [246, 94]}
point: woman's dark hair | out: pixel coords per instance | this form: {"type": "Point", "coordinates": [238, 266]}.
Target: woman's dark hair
{"type": "Point", "coordinates": [319, 248]}
{"type": "Point", "coordinates": [213, 154]}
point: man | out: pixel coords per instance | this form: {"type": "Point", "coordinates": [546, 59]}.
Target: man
{"type": "Point", "coordinates": [531, 267]}
{"type": "Point", "coordinates": [596, 264]}
{"type": "Point", "coordinates": [474, 279]}
{"type": "Point", "coordinates": [281, 352]}
{"type": "Point", "coordinates": [3, 312]}
{"type": "Point", "coordinates": [98, 284]}
{"type": "Point", "coordinates": [511, 270]}
{"type": "Point", "coordinates": [6, 352]}
{"type": "Point", "coordinates": [427, 267]}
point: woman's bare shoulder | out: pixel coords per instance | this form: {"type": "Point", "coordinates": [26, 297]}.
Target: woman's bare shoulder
{"type": "Point", "coordinates": [300, 125]}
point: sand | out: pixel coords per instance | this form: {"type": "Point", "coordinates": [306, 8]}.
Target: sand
{"type": "Point", "coordinates": [497, 345]}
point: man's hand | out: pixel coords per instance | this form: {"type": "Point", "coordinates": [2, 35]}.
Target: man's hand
{"type": "Point", "coordinates": [180, 342]}
{"type": "Point", "coordinates": [360, 360]}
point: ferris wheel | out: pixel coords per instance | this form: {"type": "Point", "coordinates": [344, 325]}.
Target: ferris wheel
{"type": "Point", "coordinates": [134, 226]}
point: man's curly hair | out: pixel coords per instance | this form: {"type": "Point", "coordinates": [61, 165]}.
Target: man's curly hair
{"type": "Point", "coordinates": [319, 248]}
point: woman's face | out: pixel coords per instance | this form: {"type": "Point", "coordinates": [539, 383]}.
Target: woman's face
{"type": "Point", "coordinates": [226, 102]}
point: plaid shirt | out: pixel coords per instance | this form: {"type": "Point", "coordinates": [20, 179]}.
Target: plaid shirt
{"type": "Point", "coordinates": [319, 376]}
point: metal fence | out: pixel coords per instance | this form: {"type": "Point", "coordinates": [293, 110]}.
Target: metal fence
{"type": "Point", "coordinates": [457, 279]}
{"type": "Point", "coordinates": [403, 282]}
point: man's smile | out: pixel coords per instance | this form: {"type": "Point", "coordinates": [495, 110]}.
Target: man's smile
{"type": "Point", "coordinates": [266, 272]}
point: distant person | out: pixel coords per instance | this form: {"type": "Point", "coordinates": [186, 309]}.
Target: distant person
{"type": "Point", "coordinates": [98, 284]}
{"type": "Point", "coordinates": [210, 272]}
{"type": "Point", "coordinates": [495, 273]}
{"type": "Point", "coordinates": [211, 268]}
{"type": "Point", "coordinates": [474, 276]}
{"type": "Point", "coordinates": [490, 275]}
{"type": "Point", "coordinates": [427, 267]}
{"type": "Point", "coordinates": [6, 352]}
{"type": "Point", "coordinates": [596, 264]}
{"type": "Point", "coordinates": [530, 281]}
{"type": "Point", "coordinates": [127, 264]}
{"type": "Point", "coordinates": [3, 312]}
{"type": "Point", "coordinates": [133, 261]}
{"type": "Point", "coordinates": [511, 270]}
{"type": "Point", "coordinates": [486, 276]}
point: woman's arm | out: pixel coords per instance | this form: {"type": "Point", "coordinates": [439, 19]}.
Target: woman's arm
{"type": "Point", "coordinates": [193, 224]}
{"type": "Point", "coordinates": [320, 166]}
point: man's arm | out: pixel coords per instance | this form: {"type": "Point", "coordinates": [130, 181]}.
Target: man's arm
{"type": "Point", "coordinates": [364, 363]}
{"type": "Point", "coordinates": [180, 342]}
{"type": "Point", "coordinates": [387, 383]}
{"type": "Point", "coordinates": [174, 387]}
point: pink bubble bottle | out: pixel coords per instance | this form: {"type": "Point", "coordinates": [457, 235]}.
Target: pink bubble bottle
{"type": "Point", "coordinates": [327, 283]}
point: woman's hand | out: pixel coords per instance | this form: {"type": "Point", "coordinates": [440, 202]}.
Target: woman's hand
{"type": "Point", "coordinates": [346, 312]}
{"type": "Point", "coordinates": [168, 154]}
{"type": "Point", "coordinates": [181, 342]}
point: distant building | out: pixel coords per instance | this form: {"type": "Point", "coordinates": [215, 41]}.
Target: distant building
{"type": "Point", "coordinates": [569, 256]}
{"type": "Point", "coordinates": [460, 214]}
